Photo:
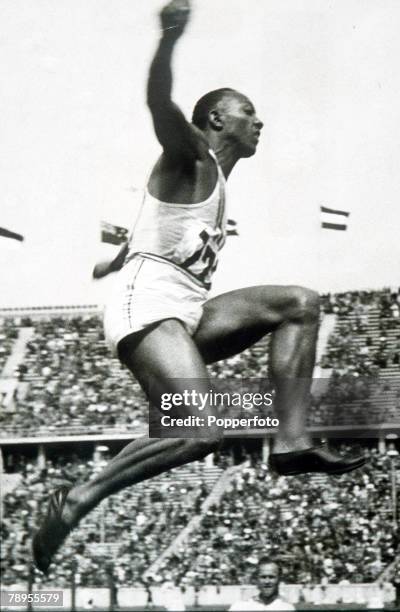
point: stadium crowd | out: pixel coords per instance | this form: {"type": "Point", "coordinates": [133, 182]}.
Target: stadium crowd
{"type": "Point", "coordinates": [72, 384]}
{"type": "Point", "coordinates": [141, 521]}
{"type": "Point", "coordinates": [8, 334]}
{"type": "Point", "coordinates": [386, 300]}
{"type": "Point", "coordinates": [362, 359]}
{"type": "Point", "coordinates": [320, 533]}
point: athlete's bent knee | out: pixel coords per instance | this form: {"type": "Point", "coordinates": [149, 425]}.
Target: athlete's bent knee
{"type": "Point", "coordinates": [305, 304]}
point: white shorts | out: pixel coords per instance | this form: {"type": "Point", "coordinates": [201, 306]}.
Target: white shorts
{"type": "Point", "coordinates": [148, 290]}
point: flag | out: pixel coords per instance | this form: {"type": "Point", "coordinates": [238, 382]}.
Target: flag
{"type": "Point", "coordinates": [232, 228]}
{"type": "Point", "coordinates": [9, 240]}
{"type": "Point", "coordinates": [113, 234]}
{"type": "Point", "coordinates": [333, 219]}
{"type": "Point", "coordinates": [5, 233]}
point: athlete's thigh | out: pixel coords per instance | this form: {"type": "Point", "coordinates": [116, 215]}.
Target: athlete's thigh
{"type": "Point", "coordinates": [164, 359]}
{"type": "Point", "coordinates": [233, 321]}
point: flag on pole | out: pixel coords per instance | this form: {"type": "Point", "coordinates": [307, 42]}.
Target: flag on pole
{"type": "Point", "coordinates": [334, 219]}
{"type": "Point", "coordinates": [113, 234]}
{"type": "Point", "coordinates": [232, 228]}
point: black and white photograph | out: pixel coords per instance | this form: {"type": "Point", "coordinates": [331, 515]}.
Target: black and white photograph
{"type": "Point", "coordinates": [200, 305]}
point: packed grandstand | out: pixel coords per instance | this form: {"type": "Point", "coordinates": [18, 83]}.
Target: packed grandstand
{"type": "Point", "coordinates": [67, 406]}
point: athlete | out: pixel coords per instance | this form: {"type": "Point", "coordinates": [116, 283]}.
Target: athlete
{"type": "Point", "coordinates": [159, 319]}
{"type": "Point", "coordinates": [268, 576]}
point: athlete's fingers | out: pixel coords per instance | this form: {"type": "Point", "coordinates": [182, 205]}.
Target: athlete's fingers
{"type": "Point", "coordinates": [175, 15]}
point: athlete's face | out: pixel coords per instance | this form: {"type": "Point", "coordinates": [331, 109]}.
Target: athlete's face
{"type": "Point", "coordinates": [241, 126]}
{"type": "Point", "coordinates": [268, 581]}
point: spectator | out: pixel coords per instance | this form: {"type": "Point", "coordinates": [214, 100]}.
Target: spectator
{"type": "Point", "coordinates": [267, 576]}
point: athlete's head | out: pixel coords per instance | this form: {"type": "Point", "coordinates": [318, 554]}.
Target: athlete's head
{"type": "Point", "coordinates": [268, 575]}
{"type": "Point", "coordinates": [231, 114]}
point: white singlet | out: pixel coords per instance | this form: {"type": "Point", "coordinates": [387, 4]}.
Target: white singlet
{"type": "Point", "coordinates": [278, 605]}
{"type": "Point", "coordinates": [187, 235]}
{"type": "Point", "coordinates": [173, 253]}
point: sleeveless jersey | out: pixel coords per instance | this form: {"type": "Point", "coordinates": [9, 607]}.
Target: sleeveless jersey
{"type": "Point", "coordinates": [186, 235]}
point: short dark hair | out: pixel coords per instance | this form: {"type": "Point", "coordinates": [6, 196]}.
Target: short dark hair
{"type": "Point", "coordinates": [206, 104]}
{"type": "Point", "coordinates": [264, 560]}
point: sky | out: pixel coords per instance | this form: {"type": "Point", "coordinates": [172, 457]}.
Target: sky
{"type": "Point", "coordinates": [76, 140]}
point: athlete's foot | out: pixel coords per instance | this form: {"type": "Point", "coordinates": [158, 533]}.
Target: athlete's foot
{"type": "Point", "coordinates": [314, 459]}
{"type": "Point", "coordinates": [54, 528]}
{"type": "Point", "coordinates": [289, 444]}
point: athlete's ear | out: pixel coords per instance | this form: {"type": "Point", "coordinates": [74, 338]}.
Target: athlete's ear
{"type": "Point", "coordinates": [215, 120]}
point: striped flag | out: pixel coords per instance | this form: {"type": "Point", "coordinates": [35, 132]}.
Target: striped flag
{"type": "Point", "coordinates": [113, 234]}
{"type": "Point", "coordinates": [10, 238]}
{"type": "Point", "coordinates": [333, 219]}
{"type": "Point", "coordinates": [232, 228]}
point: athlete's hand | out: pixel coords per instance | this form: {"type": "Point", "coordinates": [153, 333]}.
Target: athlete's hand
{"type": "Point", "coordinates": [174, 17]}
{"type": "Point", "coordinates": [101, 269]}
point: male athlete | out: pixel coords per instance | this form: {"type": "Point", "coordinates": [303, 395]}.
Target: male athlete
{"type": "Point", "coordinates": [159, 320]}
{"type": "Point", "coordinates": [268, 576]}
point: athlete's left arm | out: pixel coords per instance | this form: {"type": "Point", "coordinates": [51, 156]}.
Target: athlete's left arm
{"type": "Point", "coordinates": [103, 268]}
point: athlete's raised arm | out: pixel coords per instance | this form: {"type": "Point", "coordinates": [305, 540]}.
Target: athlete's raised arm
{"type": "Point", "coordinates": [179, 138]}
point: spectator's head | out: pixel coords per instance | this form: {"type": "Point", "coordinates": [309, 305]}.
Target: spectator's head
{"type": "Point", "coordinates": [268, 575]}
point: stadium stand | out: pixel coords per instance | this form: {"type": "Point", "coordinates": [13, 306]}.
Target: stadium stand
{"type": "Point", "coordinates": [69, 383]}
{"type": "Point", "coordinates": [72, 384]}
{"type": "Point", "coordinates": [363, 358]}
{"type": "Point", "coordinates": [298, 522]}
{"type": "Point", "coordinates": [150, 514]}
{"type": "Point", "coordinates": [8, 333]}
{"type": "Point", "coordinates": [294, 520]}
